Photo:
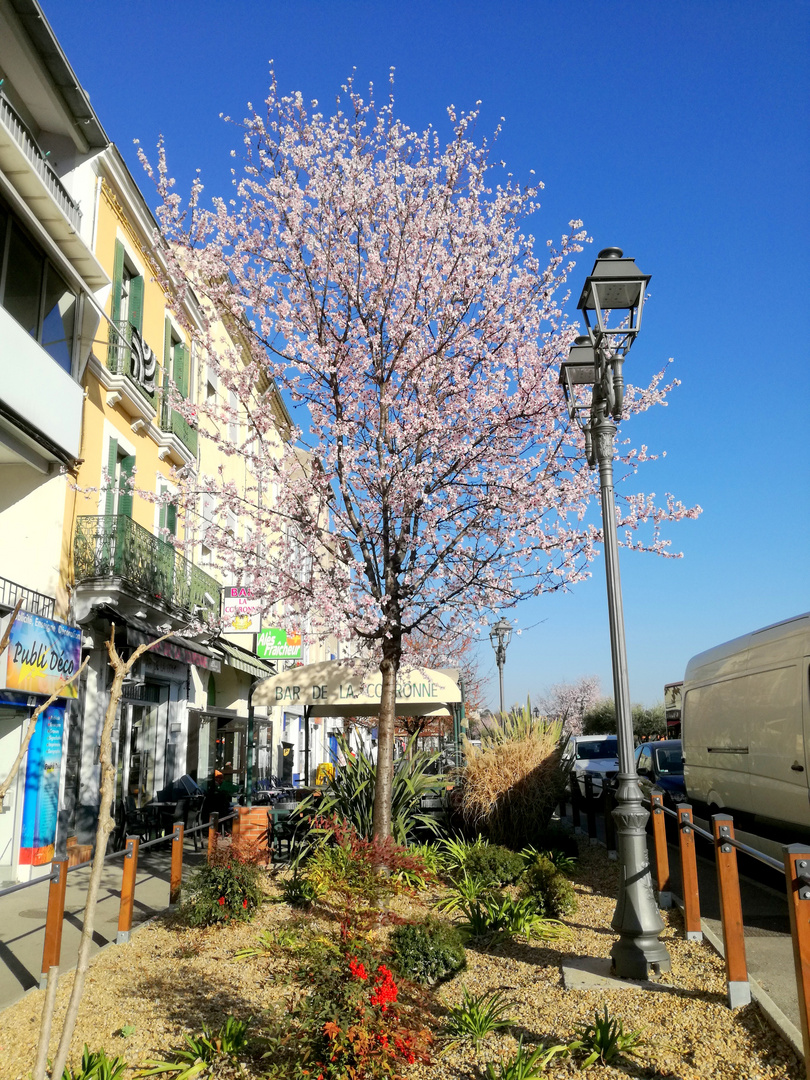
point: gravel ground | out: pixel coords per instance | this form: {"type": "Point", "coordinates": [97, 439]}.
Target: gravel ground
{"type": "Point", "coordinates": [169, 980]}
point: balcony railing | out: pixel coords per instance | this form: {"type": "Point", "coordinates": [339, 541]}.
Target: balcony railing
{"type": "Point", "coordinates": [39, 603]}
{"type": "Point", "coordinates": [178, 425]}
{"type": "Point", "coordinates": [115, 546]}
{"type": "Point", "coordinates": [119, 357]}
{"type": "Point", "coordinates": [19, 132]}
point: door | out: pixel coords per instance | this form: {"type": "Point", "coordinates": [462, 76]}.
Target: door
{"type": "Point", "coordinates": [12, 724]}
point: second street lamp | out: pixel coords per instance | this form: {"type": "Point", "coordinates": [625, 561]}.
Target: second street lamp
{"type": "Point", "coordinates": [614, 294]}
{"type": "Point", "coordinates": [500, 635]}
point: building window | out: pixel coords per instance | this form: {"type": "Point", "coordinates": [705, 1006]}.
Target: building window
{"type": "Point", "coordinates": [34, 293]}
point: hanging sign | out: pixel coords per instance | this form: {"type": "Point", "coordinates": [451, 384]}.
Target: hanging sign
{"type": "Point", "coordinates": [241, 610]}
{"type": "Point", "coordinates": [41, 653]}
{"type": "Point", "coordinates": [41, 804]}
{"type": "Point", "coordinates": [273, 643]}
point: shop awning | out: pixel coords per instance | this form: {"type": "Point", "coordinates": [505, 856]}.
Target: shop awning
{"type": "Point", "coordinates": [243, 660]}
{"type": "Point", "coordinates": [176, 648]}
{"type": "Point", "coordinates": [338, 688]}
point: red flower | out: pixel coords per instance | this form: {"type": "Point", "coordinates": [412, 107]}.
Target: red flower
{"type": "Point", "coordinates": [357, 969]}
{"type": "Point", "coordinates": [244, 902]}
{"type": "Point", "coordinates": [385, 989]}
{"type": "Point", "coordinates": [221, 901]}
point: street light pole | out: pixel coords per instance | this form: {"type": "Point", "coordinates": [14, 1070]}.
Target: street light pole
{"type": "Point", "coordinates": [616, 287]}
{"type": "Point", "coordinates": [500, 635]}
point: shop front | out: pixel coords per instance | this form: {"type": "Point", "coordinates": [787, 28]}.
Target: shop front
{"type": "Point", "coordinates": [41, 654]}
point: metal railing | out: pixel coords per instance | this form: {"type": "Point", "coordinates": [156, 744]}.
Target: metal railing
{"type": "Point", "coordinates": [115, 546]}
{"type": "Point", "coordinates": [36, 602]}
{"type": "Point", "coordinates": [55, 915]}
{"type": "Point", "coordinates": [19, 132]}
{"type": "Point", "coordinates": [173, 422]}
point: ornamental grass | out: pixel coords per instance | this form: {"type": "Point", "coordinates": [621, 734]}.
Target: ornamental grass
{"type": "Point", "coordinates": [513, 781]}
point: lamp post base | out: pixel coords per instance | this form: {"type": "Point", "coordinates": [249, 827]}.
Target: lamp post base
{"type": "Point", "coordinates": [636, 918]}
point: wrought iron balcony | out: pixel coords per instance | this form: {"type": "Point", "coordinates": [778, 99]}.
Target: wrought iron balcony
{"type": "Point", "coordinates": [113, 546]}
{"type": "Point", "coordinates": [18, 130]}
{"type": "Point", "coordinates": [178, 425]}
{"type": "Point", "coordinates": [39, 603]}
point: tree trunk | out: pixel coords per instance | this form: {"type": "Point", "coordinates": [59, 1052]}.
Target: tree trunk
{"type": "Point", "coordinates": [389, 668]}
{"type": "Point", "coordinates": [103, 830]}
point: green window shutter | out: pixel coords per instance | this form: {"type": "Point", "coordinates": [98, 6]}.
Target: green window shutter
{"type": "Point", "coordinates": [118, 277]}
{"type": "Point", "coordinates": [171, 519]}
{"type": "Point", "coordinates": [135, 315]}
{"type": "Point", "coordinates": [124, 491]}
{"type": "Point", "coordinates": [112, 461]}
{"type": "Point", "coordinates": [211, 693]}
{"type": "Point", "coordinates": [181, 369]}
{"type": "Point", "coordinates": [167, 345]}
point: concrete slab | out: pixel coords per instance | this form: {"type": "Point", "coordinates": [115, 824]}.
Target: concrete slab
{"type": "Point", "coordinates": [594, 973]}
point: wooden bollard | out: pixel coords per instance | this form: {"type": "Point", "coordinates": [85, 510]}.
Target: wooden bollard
{"type": "Point", "coordinates": [177, 864]}
{"type": "Point", "coordinates": [213, 835]}
{"type": "Point", "coordinates": [128, 889]}
{"type": "Point", "coordinates": [52, 949]}
{"type": "Point", "coordinates": [659, 825]}
{"type": "Point", "coordinates": [797, 875]}
{"type": "Point", "coordinates": [590, 808]}
{"type": "Point", "coordinates": [728, 886]}
{"type": "Point", "coordinates": [689, 878]}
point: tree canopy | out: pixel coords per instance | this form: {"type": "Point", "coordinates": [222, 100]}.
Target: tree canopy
{"type": "Point", "coordinates": [388, 285]}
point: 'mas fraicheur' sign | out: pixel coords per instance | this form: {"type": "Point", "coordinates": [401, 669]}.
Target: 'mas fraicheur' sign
{"type": "Point", "coordinates": [273, 643]}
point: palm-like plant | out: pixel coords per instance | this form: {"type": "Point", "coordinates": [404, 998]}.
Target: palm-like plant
{"type": "Point", "coordinates": [96, 1066]}
{"type": "Point", "coordinates": [604, 1039]}
{"type": "Point", "coordinates": [201, 1053]}
{"type": "Point", "coordinates": [477, 1017]}
{"type": "Point", "coordinates": [466, 890]}
{"type": "Point", "coordinates": [456, 850]}
{"type": "Point", "coordinates": [524, 1065]}
{"type": "Point", "coordinates": [492, 918]}
{"type": "Point", "coordinates": [350, 794]}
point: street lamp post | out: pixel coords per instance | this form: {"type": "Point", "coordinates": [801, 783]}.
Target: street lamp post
{"type": "Point", "coordinates": [500, 635]}
{"type": "Point", "coordinates": [611, 303]}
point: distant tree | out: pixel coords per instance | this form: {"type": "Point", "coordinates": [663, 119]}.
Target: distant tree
{"type": "Point", "coordinates": [568, 702]}
{"type": "Point", "coordinates": [600, 719]}
{"type": "Point", "coordinates": [647, 722]}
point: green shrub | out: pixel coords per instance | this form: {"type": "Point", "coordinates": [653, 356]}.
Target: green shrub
{"type": "Point", "coordinates": [495, 864]}
{"type": "Point", "coordinates": [229, 887]}
{"type": "Point", "coordinates": [551, 889]}
{"type": "Point", "coordinates": [428, 951]}
{"type": "Point", "coordinates": [556, 838]}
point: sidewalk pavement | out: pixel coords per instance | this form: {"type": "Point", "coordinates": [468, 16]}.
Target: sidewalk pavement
{"type": "Point", "coordinates": [22, 915]}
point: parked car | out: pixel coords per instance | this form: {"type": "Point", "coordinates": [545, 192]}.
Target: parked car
{"type": "Point", "coordinates": [660, 765]}
{"type": "Point", "coordinates": [594, 756]}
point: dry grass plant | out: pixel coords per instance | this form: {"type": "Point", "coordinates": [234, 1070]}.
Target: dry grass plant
{"type": "Point", "coordinates": [513, 781]}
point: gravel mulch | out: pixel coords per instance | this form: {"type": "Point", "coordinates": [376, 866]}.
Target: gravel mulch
{"type": "Point", "coordinates": [169, 980]}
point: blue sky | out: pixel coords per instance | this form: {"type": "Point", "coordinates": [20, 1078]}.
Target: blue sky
{"type": "Point", "coordinates": [675, 131]}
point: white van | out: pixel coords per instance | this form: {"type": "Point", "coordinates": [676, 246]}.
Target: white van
{"type": "Point", "coordinates": [746, 725]}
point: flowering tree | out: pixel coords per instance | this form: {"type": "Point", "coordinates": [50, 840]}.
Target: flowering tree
{"type": "Point", "coordinates": [386, 283]}
{"type": "Point", "coordinates": [568, 702]}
